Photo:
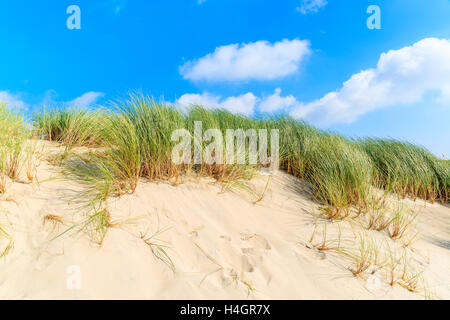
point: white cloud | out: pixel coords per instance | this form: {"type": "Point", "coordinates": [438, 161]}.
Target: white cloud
{"type": "Point", "coordinates": [206, 99]}
{"type": "Point", "coordinates": [259, 60]}
{"type": "Point", "coordinates": [401, 77]}
{"type": "Point", "coordinates": [48, 99]}
{"type": "Point", "coordinates": [277, 102]}
{"type": "Point", "coordinates": [86, 100]}
{"type": "Point", "coordinates": [12, 100]}
{"type": "Point", "coordinates": [243, 104]}
{"type": "Point", "coordinates": [311, 6]}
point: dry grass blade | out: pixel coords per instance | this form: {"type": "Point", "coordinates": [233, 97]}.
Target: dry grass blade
{"type": "Point", "coordinates": [159, 248]}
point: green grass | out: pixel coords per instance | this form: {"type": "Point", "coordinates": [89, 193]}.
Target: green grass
{"type": "Point", "coordinates": [71, 127]}
{"type": "Point", "coordinates": [14, 133]}
{"type": "Point", "coordinates": [223, 120]}
{"type": "Point", "coordinates": [135, 139]}
{"type": "Point", "coordinates": [340, 173]}
{"type": "Point", "coordinates": [408, 170]}
{"type": "Point", "coordinates": [338, 170]}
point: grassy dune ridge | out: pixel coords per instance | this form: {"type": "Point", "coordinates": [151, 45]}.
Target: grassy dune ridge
{"type": "Point", "coordinates": [133, 140]}
{"type": "Point", "coordinates": [111, 150]}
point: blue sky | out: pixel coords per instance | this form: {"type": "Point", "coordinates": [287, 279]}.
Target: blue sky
{"type": "Point", "coordinates": [313, 59]}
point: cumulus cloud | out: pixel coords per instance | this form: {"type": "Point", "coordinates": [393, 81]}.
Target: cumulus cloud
{"type": "Point", "coordinates": [205, 99]}
{"type": "Point", "coordinates": [276, 102]}
{"type": "Point", "coordinates": [259, 60]}
{"type": "Point", "coordinates": [243, 104]}
{"type": "Point", "coordinates": [86, 100]}
{"type": "Point", "coordinates": [12, 100]}
{"type": "Point", "coordinates": [401, 77]}
{"type": "Point", "coordinates": [311, 6]}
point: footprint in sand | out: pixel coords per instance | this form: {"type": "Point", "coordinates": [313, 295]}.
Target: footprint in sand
{"type": "Point", "coordinates": [245, 263]}
{"type": "Point", "coordinates": [256, 241]}
{"type": "Point", "coordinates": [253, 254]}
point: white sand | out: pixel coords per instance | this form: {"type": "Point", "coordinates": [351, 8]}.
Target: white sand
{"type": "Point", "coordinates": [222, 245]}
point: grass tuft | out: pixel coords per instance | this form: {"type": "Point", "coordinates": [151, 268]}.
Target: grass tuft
{"type": "Point", "coordinates": [71, 127]}
{"type": "Point", "coordinates": [14, 134]}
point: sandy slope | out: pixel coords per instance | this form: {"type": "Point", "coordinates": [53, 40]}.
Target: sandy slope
{"type": "Point", "coordinates": [221, 244]}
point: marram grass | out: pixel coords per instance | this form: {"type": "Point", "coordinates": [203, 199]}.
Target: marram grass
{"type": "Point", "coordinates": [135, 140]}
{"type": "Point", "coordinates": [136, 136]}
{"type": "Point", "coordinates": [69, 126]}
{"type": "Point", "coordinates": [14, 133]}
{"type": "Point", "coordinates": [407, 169]}
{"type": "Point", "coordinates": [338, 170]}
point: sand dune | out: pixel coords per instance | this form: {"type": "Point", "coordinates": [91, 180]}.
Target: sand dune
{"type": "Point", "coordinates": [199, 241]}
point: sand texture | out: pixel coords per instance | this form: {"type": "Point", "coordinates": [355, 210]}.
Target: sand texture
{"type": "Point", "coordinates": [199, 240]}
